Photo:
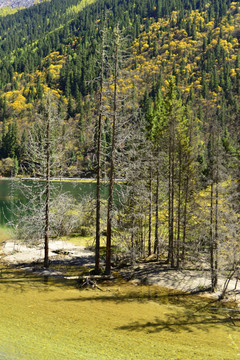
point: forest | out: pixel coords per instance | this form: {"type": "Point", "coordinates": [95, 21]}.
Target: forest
{"type": "Point", "coordinates": [146, 92]}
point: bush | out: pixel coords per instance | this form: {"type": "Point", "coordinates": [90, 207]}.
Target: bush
{"type": "Point", "coordinates": [6, 167]}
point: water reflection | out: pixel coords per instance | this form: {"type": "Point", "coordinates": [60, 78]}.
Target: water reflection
{"type": "Point", "coordinates": [12, 192]}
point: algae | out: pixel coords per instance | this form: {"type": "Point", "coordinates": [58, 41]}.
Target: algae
{"type": "Point", "coordinates": [52, 320]}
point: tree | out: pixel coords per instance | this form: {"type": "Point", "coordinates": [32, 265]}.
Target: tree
{"type": "Point", "coordinates": [166, 123]}
{"type": "Point", "coordinates": [99, 143]}
{"type": "Point", "coordinates": [131, 219]}
{"type": "Point", "coordinates": [214, 150]}
{"type": "Point", "coordinates": [46, 152]}
{"type": "Point", "coordinates": [156, 134]}
{"type": "Point", "coordinates": [112, 159]}
{"type": "Point", "coordinates": [117, 102]}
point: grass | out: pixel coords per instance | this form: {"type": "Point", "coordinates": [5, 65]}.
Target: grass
{"type": "Point", "coordinates": [76, 239]}
{"type": "Point", "coordinates": [51, 320]}
{"type": "Point", "coordinates": [5, 234]}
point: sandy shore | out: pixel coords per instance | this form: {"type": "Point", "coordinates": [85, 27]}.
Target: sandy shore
{"type": "Point", "coordinates": [187, 280]}
{"type": "Point", "coordinates": [147, 273]}
{"type": "Point", "coordinates": [17, 252]}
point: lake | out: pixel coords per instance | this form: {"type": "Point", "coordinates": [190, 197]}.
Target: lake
{"type": "Point", "coordinates": [14, 191]}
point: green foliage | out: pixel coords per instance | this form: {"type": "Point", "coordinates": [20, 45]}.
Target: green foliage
{"type": "Point", "coordinates": [7, 167]}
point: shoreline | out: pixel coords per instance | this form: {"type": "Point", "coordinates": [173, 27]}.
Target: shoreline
{"type": "Point", "coordinates": [65, 253]}
{"type": "Point", "coordinates": [61, 179]}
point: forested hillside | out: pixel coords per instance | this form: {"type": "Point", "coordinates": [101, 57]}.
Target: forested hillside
{"type": "Point", "coordinates": [148, 92]}
{"type": "Point", "coordinates": [53, 45]}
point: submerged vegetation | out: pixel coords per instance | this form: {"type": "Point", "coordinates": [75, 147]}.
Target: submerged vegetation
{"type": "Point", "coordinates": [143, 322]}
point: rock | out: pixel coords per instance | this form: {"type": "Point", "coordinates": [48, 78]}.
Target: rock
{"type": "Point", "coordinates": [17, 3]}
{"type": "Point", "coordinates": [135, 282]}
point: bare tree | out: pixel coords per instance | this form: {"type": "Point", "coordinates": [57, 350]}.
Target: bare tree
{"type": "Point", "coordinates": [46, 154]}
{"type": "Point", "coordinates": [119, 120]}
{"type": "Point", "coordinates": [99, 143]}
{"type": "Point", "coordinates": [112, 161]}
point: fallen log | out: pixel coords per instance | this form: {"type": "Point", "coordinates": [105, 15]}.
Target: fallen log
{"type": "Point", "coordinates": [90, 283]}
{"type": "Point", "coordinates": [92, 277]}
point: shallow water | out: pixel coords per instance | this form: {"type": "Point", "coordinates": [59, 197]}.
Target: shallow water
{"type": "Point", "coordinates": [7, 354]}
{"type": "Point", "coordinates": [47, 320]}
{"type": "Point", "coordinates": [12, 192]}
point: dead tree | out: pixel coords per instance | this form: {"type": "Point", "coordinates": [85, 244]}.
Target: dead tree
{"type": "Point", "coordinates": [99, 142]}
{"type": "Point", "coordinates": [115, 111]}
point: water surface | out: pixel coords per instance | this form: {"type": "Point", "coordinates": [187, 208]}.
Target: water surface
{"type": "Point", "coordinates": [14, 191]}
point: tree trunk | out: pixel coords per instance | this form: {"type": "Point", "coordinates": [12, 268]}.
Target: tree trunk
{"type": "Point", "coordinates": [47, 195]}
{"type": "Point", "coordinates": [150, 215]}
{"type": "Point", "coordinates": [142, 250]}
{"type": "Point", "coordinates": [179, 205]}
{"type": "Point", "coordinates": [171, 193]}
{"type": "Point", "coordinates": [170, 249]}
{"type": "Point", "coordinates": [185, 218]}
{"type": "Point", "coordinates": [211, 241]}
{"type": "Point", "coordinates": [111, 176]}
{"type": "Point", "coordinates": [132, 248]}
{"type": "Point", "coordinates": [186, 194]}
{"type": "Point", "coordinates": [172, 201]}
{"type": "Point", "coordinates": [99, 132]}
{"type": "Point", "coordinates": [216, 228]}
{"type": "Point", "coordinates": [156, 242]}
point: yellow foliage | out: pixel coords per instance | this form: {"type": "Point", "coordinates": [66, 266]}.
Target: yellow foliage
{"type": "Point", "coordinates": [235, 42]}
{"type": "Point", "coordinates": [233, 72]}
{"type": "Point", "coordinates": [217, 30]}
{"type": "Point", "coordinates": [165, 46]}
{"type": "Point", "coordinates": [172, 44]}
{"type": "Point", "coordinates": [214, 42]}
{"type": "Point", "coordinates": [55, 70]}
{"type": "Point", "coordinates": [233, 5]}
{"type": "Point", "coordinates": [210, 25]}
{"type": "Point", "coordinates": [175, 14]}
{"type": "Point", "coordinates": [20, 103]}
{"type": "Point", "coordinates": [145, 46]}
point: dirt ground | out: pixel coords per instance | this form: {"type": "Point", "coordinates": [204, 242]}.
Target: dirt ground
{"type": "Point", "coordinates": [152, 273]}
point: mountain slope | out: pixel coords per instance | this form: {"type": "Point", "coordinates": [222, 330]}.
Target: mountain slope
{"type": "Point", "coordinates": [16, 3]}
{"type": "Point", "coordinates": [198, 44]}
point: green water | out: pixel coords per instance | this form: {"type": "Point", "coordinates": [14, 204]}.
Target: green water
{"type": "Point", "coordinates": [12, 192]}
{"type": "Point", "coordinates": [56, 321]}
